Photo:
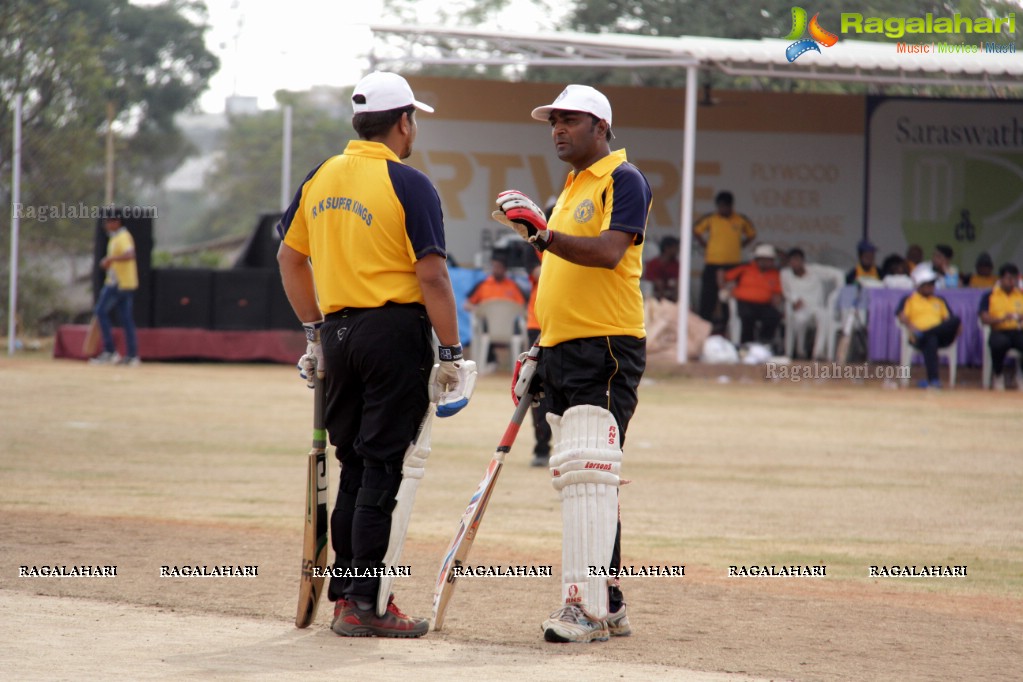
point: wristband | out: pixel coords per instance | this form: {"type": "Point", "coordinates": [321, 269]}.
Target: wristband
{"type": "Point", "coordinates": [543, 239]}
{"type": "Point", "coordinates": [312, 331]}
{"type": "Point", "coordinates": [449, 353]}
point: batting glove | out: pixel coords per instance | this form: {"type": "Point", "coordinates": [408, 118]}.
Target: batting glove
{"type": "Point", "coordinates": [311, 364]}
{"type": "Point", "coordinates": [526, 380]}
{"type": "Point", "coordinates": [521, 214]}
{"type": "Point", "coordinates": [453, 381]}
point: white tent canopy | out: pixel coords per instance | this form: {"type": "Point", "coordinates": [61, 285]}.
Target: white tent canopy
{"type": "Point", "coordinates": [848, 61]}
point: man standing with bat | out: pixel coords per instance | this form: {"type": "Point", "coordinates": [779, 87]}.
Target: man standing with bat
{"type": "Point", "coordinates": [593, 348]}
{"type": "Point", "coordinates": [363, 263]}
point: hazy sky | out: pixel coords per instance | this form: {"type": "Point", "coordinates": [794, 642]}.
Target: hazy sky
{"type": "Point", "coordinates": [266, 46]}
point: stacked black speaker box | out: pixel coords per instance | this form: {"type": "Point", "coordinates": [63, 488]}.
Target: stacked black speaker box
{"type": "Point", "coordinates": [247, 297]}
{"type": "Point", "coordinates": [183, 297]}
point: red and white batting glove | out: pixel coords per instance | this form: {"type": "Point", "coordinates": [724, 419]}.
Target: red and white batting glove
{"type": "Point", "coordinates": [525, 379]}
{"type": "Point", "coordinates": [520, 213]}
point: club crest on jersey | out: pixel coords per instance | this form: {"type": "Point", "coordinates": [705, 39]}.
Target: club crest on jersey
{"type": "Point", "coordinates": [584, 211]}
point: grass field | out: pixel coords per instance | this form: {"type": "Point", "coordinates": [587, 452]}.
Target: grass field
{"type": "Point", "coordinates": [204, 463]}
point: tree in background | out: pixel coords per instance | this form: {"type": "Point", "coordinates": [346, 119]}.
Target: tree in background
{"type": "Point", "coordinates": [71, 60]}
{"type": "Point", "coordinates": [245, 181]}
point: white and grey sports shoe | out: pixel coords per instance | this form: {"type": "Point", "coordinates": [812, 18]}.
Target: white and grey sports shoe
{"type": "Point", "coordinates": [571, 623]}
{"type": "Point", "coordinates": [106, 358]}
{"type": "Point", "coordinates": [618, 623]}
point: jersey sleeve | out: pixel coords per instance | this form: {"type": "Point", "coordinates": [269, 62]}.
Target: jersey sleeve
{"type": "Point", "coordinates": [702, 224]}
{"type": "Point", "coordinates": [985, 303]}
{"type": "Point", "coordinates": [424, 219]}
{"type": "Point", "coordinates": [735, 273]}
{"type": "Point", "coordinates": [902, 305]}
{"type": "Point", "coordinates": [630, 201]}
{"type": "Point", "coordinates": [292, 227]}
{"type": "Point", "coordinates": [748, 230]}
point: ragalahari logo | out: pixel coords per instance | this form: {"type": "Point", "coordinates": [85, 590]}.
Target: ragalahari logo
{"type": "Point", "coordinates": [818, 35]}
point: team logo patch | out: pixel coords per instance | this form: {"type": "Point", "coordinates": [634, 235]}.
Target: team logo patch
{"type": "Point", "coordinates": [584, 211]}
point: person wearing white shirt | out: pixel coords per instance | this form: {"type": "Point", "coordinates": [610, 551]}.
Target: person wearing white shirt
{"type": "Point", "coordinates": [804, 289]}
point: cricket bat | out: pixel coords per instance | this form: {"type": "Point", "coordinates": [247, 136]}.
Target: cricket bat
{"type": "Point", "coordinates": [458, 551]}
{"type": "Point", "coordinates": [314, 544]}
{"type": "Point", "coordinates": [90, 344]}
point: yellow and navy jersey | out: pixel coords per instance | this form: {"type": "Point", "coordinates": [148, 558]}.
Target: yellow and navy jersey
{"type": "Point", "coordinates": [123, 273]}
{"type": "Point", "coordinates": [364, 218]}
{"type": "Point", "coordinates": [724, 237]}
{"type": "Point", "coordinates": [859, 272]}
{"type": "Point", "coordinates": [997, 303]}
{"type": "Point", "coordinates": [924, 312]}
{"type": "Point", "coordinates": [575, 301]}
{"type": "Point", "coordinates": [982, 281]}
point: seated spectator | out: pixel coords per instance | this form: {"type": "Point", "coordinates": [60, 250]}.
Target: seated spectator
{"type": "Point", "coordinates": [865, 268]}
{"type": "Point", "coordinates": [930, 323]}
{"type": "Point", "coordinates": [804, 290]}
{"type": "Point", "coordinates": [496, 286]}
{"type": "Point", "coordinates": [1002, 310]}
{"type": "Point", "coordinates": [983, 276]}
{"type": "Point", "coordinates": [895, 274]}
{"type": "Point", "coordinates": [914, 256]}
{"type": "Point", "coordinates": [757, 290]}
{"type": "Point", "coordinates": [662, 270]}
{"type": "Point", "coordinates": [941, 265]}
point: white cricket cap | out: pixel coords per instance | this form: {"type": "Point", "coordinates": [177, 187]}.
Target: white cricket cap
{"type": "Point", "coordinates": [764, 251]}
{"type": "Point", "coordinates": [578, 98]}
{"type": "Point", "coordinates": [924, 273]}
{"type": "Point", "coordinates": [383, 91]}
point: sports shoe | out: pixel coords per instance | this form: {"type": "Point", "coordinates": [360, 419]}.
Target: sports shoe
{"type": "Point", "coordinates": [618, 623]}
{"type": "Point", "coordinates": [540, 460]}
{"type": "Point", "coordinates": [351, 621]}
{"type": "Point", "coordinates": [998, 383]}
{"type": "Point", "coordinates": [571, 623]}
{"type": "Point", "coordinates": [132, 361]}
{"type": "Point", "coordinates": [106, 358]}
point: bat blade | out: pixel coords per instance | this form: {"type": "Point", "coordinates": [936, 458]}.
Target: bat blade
{"type": "Point", "coordinates": [314, 542]}
{"type": "Point", "coordinates": [468, 526]}
{"type": "Point", "coordinates": [90, 344]}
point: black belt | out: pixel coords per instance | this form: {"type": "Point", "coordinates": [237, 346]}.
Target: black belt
{"type": "Point", "coordinates": [351, 312]}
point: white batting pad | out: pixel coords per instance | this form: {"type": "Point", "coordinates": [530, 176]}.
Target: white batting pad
{"type": "Point", "coordinates": [412, 470]}
{"type": "Point", "coordinates": [585, 468]}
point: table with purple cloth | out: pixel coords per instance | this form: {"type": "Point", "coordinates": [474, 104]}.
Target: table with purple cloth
{"type": "Point", "coordinates": [883, 335]}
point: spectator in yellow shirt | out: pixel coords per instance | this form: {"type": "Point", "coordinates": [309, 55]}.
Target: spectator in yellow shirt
{"type": "Point", "coordinates": [1002, 309]}
{"type": "Point", "coordinates": [983, 276]}
{"type": "Point", "coordinates": [722, 235]}
{"type": "Point", "coordinates": [930, 323]}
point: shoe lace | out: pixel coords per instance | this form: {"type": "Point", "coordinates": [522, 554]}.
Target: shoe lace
{"type": "Point", "coordinates": [570, 613]}
{"type": "Point", "coordinates": [393, 609]}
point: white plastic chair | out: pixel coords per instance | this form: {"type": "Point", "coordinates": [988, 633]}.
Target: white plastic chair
{"type": "Point", "coordinates": [498, 322]}
{"type": "Point", "coordinates": [950, 352]}
{"type": "Point", "coordinates": [986, 369]}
